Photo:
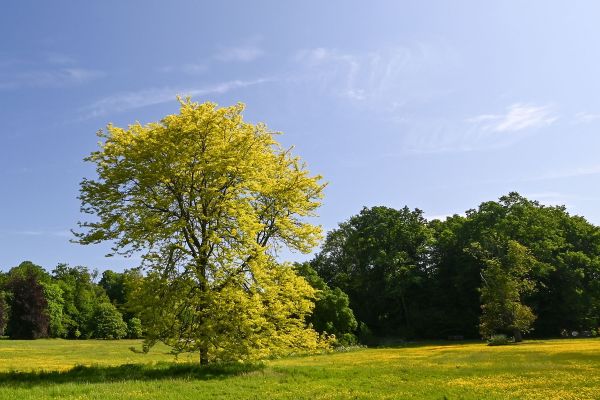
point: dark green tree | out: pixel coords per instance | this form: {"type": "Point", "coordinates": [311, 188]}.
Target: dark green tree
{"type": "Point", "coordinates": [3, 312]}
{"type": "Point", "coordinates": [332, 313]}
{"type": "Point", "coordinates": [380, 259]}
{"type": "Point", "coordinates": [113, 284]}
{"type": "Point", "coordinates": [80, 296]}
{"type": "Point", "coordinates": [29, 308]}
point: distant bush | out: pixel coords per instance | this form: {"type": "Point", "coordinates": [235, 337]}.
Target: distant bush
{"type": "Point", "coordinates": [347, 339]}
{"type": "Point", "coordinates": [498, 340]}
{"type": "Point", "coordinates": [109, 322]}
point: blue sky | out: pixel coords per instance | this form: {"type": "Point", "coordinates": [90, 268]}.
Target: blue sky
{"type": "Point", "coordinates": [433, 104]}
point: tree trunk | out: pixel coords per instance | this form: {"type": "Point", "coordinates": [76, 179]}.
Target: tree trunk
{"type": "Point", "coordinates": [405, 310]}
{"type": "Point", "coordinates": [518, 336]}
{"type": "Point", "coordinates": [203, 355]}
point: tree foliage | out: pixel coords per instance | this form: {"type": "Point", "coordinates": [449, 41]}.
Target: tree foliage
{"type": "Point", "coordinates": [28, 305]}
{"type": "Point", "coordinates": [207, 197]}
{"type": "Point", "coordinates": [109, 322]}
{"type": "Point", "coordinates": [332, 313]}
{"type": "Point", "coordinates": [406, 276]}
{"type": "Point", "coordinates": [80, 297]}
{"type": "Point", "coordinates": [378, 258]}
{"type": "Point", "coordinates": [3, 312]}
{"type": "Point", "coordinates": [505, 280]}
{"type": "Point", "coordinates": [134, 328]}
{"type": "Point", "coordinates": [53, 294]}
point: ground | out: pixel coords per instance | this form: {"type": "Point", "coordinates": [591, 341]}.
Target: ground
{"type": "Point", "coordinates": [551, 369]}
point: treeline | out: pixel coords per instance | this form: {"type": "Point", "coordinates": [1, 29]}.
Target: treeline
{"type": "Point", "coordinates": [509, 266]}
{"type": "Point", "coordinates": [66, 303]}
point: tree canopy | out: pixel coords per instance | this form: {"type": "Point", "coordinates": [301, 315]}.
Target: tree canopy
{"type": "Point", "coordinates": [208, 199]}
{"type": "Point", "coordinates": [509, 266]}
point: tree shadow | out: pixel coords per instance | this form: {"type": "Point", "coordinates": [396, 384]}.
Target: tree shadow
{"type": "Point", "coordinates": [128, 372]}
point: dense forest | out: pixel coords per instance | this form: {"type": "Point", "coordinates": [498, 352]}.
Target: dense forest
{"type": "Point", "coordinates": [509, 265]}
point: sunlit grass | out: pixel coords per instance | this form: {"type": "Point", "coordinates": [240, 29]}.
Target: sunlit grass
{"type": "Point", "coordinates": [553, 369]}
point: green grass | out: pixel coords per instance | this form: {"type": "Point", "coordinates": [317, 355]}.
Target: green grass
{"type": "Point", "coordinates": [553, 369]}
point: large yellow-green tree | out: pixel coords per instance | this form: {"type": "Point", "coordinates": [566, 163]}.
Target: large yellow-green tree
{"type": "Point", "coordinates": [208, 198]}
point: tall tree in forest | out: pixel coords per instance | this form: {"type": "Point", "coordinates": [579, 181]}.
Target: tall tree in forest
{"type": "Point", "coordinates": [208, 198]}
{"type": "Point", "coordinates": [332, 313]}
{"type": "Point", "coordinates": [79, 296]}
{"type": "Point", "coordinates": [3, 312]}
{"type": "Point", "coordinates": [504, 282]}
{"type": "Point", "coordinates": [29, 317]}
{"type": "Point", "coordinates": [379, 258]}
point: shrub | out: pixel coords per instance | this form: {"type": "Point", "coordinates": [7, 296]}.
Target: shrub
{"type": "Point", "coordinates": [347, 339]}
{"type": "Point", "coordinates": [498, 340]}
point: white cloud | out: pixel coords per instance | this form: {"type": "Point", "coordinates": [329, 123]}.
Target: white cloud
{"type": "Point", "coordinates": [518, 117]}
{"type": "Point", "coordinates": [483, 132]}
{"type": "Point", "coordinates": [48, 78]}
{"type": "Point", "coordinates": [585, 117]}
{"type": "Point", "coordinates": [571, 173]}
{"type": "Point", "coordinates": [441, 217]}
{"type": "Point", "coordinates": [550, 198]}
{"type": "Point", "coordinates": [188, 68]}
{"type": "Point", "coordinates": [245, 53]}
{"type": "Point", "coordinates": [43, 232]}
{"type": "Point", "coordinates": [381, 79]}
{"type": "Point", "coordinates": [148, 97]}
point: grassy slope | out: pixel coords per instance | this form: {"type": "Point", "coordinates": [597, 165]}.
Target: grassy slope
{"type": "Point", "coordinates": [554, 369]}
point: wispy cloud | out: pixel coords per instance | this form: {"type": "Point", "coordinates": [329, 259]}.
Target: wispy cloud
{"type": "Point", "coordinates": [132, 100]}
{"type": "Point", "coordinates": [245, 53]}
{"type": "Point", "coordinates": [517, 117]}
{"type": "Point", "coordinates": [483, 132]}
{"type": "Point", "coordinates": [569, 200]}
{"type": "Point", "coordinates": [551, 198]}
{"type": "Point", "coordinates": [41, 232]}
{"type": "Point", "coordinates": [383, 79]}
{"type": "Point", "coordinates": [187, 68]}
{"type": "Point", "coordinates": [586, 117]}
{"type": "Point", "coordinates": [53, 70]}
{"type": "Point", "coordinates": [571, 172]}
{"type": "Point", "coordinates": [50, 78]}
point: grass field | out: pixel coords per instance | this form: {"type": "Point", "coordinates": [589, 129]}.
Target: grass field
{"type": "Point", "coordinates": [552, 369]}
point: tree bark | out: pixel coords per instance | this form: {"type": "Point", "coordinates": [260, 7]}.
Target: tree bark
{"type": "Point", "coordinates": [203, 353]}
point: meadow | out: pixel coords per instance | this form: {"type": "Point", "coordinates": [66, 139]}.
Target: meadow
{"type": "Point", "coordinates": [94, 369]}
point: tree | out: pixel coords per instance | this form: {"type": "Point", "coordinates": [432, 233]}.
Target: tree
{"type": "Point", "coordinates": [28, 305]}
{"type": "Point", "coordinates": [3, 312]}
{"type": "Point", "coordinates": [79, 296]}
{"type": "Point", "coordinates": [332, 313]}
{"type": "Point", "coordinates": [134, 328]}
{"type": "Point", "coordinates": [109, 322]}
{"type": "Point", "coordinates": [113, 284]}
{"type": "Point", "coordinates": [208, 198]}
{"type": "Point", "coordinates": [379, 258]}
{"type": "Point", "coordinates": [505, 280]}
{"type": "Point", "coordinates": [53, 294]}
